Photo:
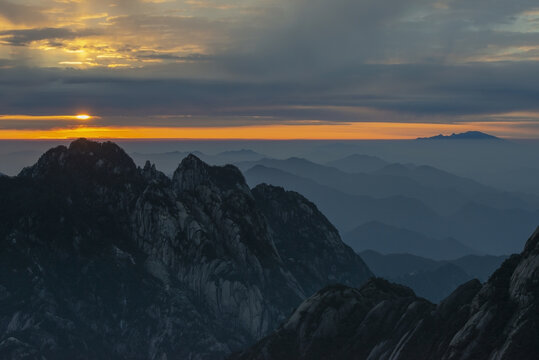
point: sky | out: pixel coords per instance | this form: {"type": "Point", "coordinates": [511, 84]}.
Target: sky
{"type": "Point", "coordinates": [268, 69]}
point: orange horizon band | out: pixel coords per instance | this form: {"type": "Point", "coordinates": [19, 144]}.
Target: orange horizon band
{"type": "Point", "coordinates": [337, 131]}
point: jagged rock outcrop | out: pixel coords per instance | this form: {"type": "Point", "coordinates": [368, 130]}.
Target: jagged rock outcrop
{"type": "Point", "coordinates": [100, 259]}
{"type": "Point", "coordinates": [497, 320]}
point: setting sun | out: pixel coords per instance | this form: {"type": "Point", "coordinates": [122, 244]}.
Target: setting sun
{"type": "Point", "coordinates": [83, 117]}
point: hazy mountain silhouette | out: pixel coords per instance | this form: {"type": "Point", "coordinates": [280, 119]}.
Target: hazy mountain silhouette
{"type": "Point", "coordinates": [387, 239]}
{"type": "Point", "coordinates": [469, 135]}
{"type": "Point", "coordinates": [351, 183]}
{"type": "Point", "coordinates": [345, 210]}
{"type": "Point", "coordinates": [431, 176]}
{"type": "Point", "coordinates": [479, 266]}
{"type": "Point", "coordinates": [358, 163]}
{"type": "Point", "coordinates": [433, 280]}
{"type": "Point", "coordinates": [435, 212]}
{"type": "Point", "coordinates": [440, 190]}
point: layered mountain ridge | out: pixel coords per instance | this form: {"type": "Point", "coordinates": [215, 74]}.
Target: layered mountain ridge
{"type": "Point", "coordinates": [102, 259]}
{"type": "Point", "coordinates": [496, 320]}
{"type": "Point", "coordinates": [422, 199]}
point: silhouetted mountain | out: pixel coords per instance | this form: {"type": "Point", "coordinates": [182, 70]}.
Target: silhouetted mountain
{"type": "Point", "coordinates": [101, 259]}
{"type": "Point", "coordinates": [469, 135]}
{"type": "Point", "coordinates": [387, 239]}
{"type": "Point", "coordinates": [497, 320]}
{"type": "Point", "coordinates": [357, 163]}
{"type": "Point", "coordinates": [433, 280]}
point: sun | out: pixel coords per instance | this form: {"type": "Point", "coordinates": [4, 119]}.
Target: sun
{"type": "Point", "coordinates": [83, 117]}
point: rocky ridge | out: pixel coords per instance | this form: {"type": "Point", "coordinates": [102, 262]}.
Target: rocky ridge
{"type": "Point", "coordinates": [102, 259]}
{"type": "Point", "coordinates": [495, 320]}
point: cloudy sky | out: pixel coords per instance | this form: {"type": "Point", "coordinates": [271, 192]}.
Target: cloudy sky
{"type": "Point", "coordinates": [268, 68]}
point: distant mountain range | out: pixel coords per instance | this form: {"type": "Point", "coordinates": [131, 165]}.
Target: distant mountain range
{"type": "Point", "coordinates": [347, 211]}
{"type": "Point", "coordinates": [469, 135]}
{"type": "Point", "coordinates": [381, 320]}
{"type": "Point", "coordinates": [440, 190]}
{"type": "Point", "coordinates": [433, 280]}
{"type": "Point", "coordinates": [423, 199]}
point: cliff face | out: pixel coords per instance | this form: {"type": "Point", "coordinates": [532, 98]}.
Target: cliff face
{"type": "Point", "coordinates": [497, 320]}
{"type": "Point", "coordinates": [101, 259]}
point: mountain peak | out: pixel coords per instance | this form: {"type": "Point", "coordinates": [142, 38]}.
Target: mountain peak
{"type": "Point", "coordinates": [193, 172]}
{"type": "Point", "coordinates": [468, 135]}
{"type": "Point", "coordinates": [83, 157]}
{"type": "Point", "coordinates": [192, 161]}
{"type": "Point", "coordinates": [84, 145]}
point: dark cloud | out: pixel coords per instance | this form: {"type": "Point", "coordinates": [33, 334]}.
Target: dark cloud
{"type": "Point", "coordinates": [320, 36]}
{"type": "Point", "coordinates": [403, 92]}
{"type": "Point", "coordinates": [24, 37]}
{"type": "Point", "coordinates": [340, 60]}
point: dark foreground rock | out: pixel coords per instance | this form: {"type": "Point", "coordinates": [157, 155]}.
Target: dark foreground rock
{"type": "Point", "coordinates": [497, 320]}
{"type": "Point", "coordinates": [100, 259]}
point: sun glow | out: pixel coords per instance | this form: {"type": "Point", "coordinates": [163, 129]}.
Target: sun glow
{"type": "Point", "coordinates": [83, 117]}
